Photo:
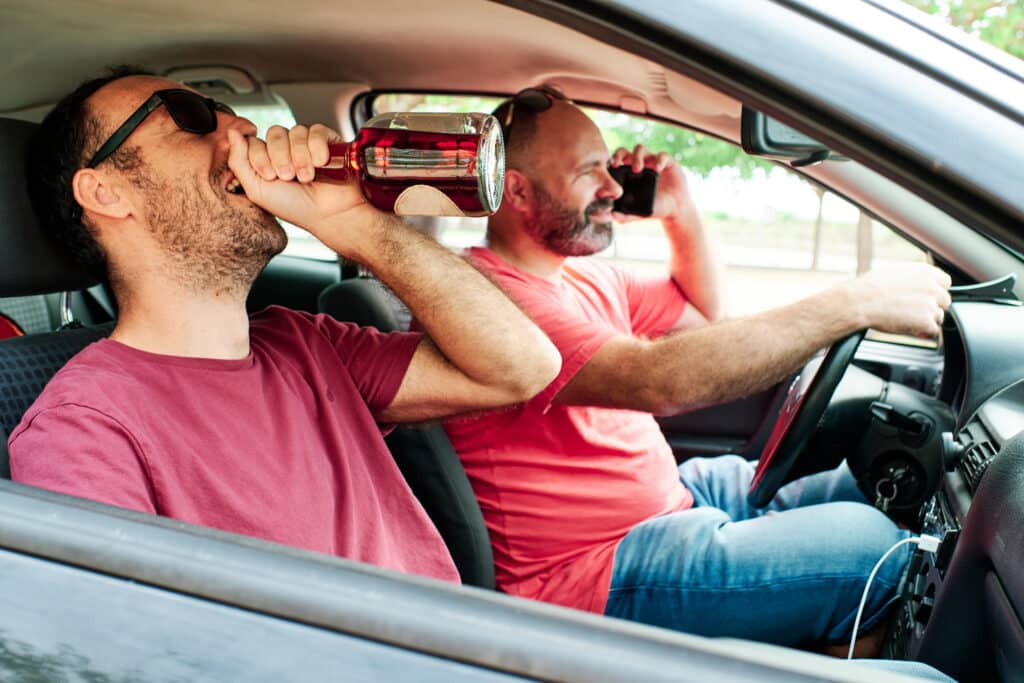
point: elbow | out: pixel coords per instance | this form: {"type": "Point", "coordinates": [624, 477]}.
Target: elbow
{"type": "Point", "coordinates": [659, 403]}
{"type": "Point", "coordinates": [548, 366]}
{"type": "Point", "coordinates": [530, 377]}
{"type": "Point", "coordinates": [666, 393]}
{"type": "Point", "coordinates": [711, 312]}
{"type": "Point", "coordinates": [642, 387]}
{"type": "Point", "coordinates": [666, 405]}
{"type": "Point", "coordinates": [516, 374]}
{"type": "Point", "coordinates": [666, 401]}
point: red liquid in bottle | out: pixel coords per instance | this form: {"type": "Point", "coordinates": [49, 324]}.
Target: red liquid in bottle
{"type": "Point", "coordinates": [388, 161]}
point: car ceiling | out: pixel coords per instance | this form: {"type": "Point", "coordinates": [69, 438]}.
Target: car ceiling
{"type": "Point", "coordinates": [470, 45]}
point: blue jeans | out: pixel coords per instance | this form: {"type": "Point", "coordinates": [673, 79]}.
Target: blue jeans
{"type": "Point", "coordinates": [790, 574]}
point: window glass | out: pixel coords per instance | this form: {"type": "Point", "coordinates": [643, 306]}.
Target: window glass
{"type": "Point", "coordinates": [781, 236]}
{"type": "Point", "coordinates": [300, 242]}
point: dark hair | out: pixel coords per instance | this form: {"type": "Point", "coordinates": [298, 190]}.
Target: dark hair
{"type": "Point", "coordinates": [524, 126]}
{"type": "Point", "coordinates": [61, 145]}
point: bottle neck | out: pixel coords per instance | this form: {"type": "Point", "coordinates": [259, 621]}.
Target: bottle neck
{"type": "Point", "coordinates": [339, 165]}
{"type": "Point", "coordinates": [341, 156]}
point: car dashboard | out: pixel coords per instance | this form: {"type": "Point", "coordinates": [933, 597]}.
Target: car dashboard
{"type": "Point", "coordinates": [961, 606]}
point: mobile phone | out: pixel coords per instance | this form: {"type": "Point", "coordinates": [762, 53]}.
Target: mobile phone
{"type": "Point", "coordinates": [638, 190]}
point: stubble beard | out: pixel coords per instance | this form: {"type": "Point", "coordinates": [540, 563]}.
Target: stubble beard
{"type": "Point", "coordinates": [212, 246]}
{"type": "Point", "coordinates": [567, 231]}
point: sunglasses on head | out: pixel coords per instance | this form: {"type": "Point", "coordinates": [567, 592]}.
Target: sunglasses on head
{"type": "Point", "coordinates": [190, 111]}
{"type": "Point", "coordinates": [533, 100]}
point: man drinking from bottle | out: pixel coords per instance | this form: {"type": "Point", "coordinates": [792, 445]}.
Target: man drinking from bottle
{"type": "Point", "coordinates": [268, 426]}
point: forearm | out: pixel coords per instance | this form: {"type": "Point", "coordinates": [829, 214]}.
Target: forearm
{"type": "Point", "coordinates": [474, 325]}
{"type": "Point", "coordinates": [694, 263]}
{"type": "Point", "coordinates": [716, 363]}
{"type": "Point", "coordinates": [736, 358]}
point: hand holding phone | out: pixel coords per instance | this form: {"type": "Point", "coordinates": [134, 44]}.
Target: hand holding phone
{"type": "Point", "coordinates": [638, 190]}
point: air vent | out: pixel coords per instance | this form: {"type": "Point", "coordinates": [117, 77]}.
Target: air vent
{"type": "Point", "coordinates": [980, 451]}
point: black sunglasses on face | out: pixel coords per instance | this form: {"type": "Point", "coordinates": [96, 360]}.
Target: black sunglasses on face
{"type": "Point", "coordinates": [190, 111]}
{"type": "Point", "coordinates": [533, 100]}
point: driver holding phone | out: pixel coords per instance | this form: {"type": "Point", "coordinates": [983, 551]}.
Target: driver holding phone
{"type": "Point", "coordinates": [582, 497]}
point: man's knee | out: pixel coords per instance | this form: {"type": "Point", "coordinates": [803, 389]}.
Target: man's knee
{"type": "Point", "coordinates": [868, 535]}
{"type": "Point", "coordinates": [868, 521]}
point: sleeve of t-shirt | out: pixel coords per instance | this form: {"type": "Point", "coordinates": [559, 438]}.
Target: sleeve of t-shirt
{"type": "Point", "coordinates": [655, 303]}
{"type": "Point", "coordinates": [81, 452]}
{"type": "Point", "coordinates": [377, 361]}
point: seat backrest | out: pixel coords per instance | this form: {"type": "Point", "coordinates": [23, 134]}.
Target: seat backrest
{"type": "Point", "coordinates": [31, 264]}
{"type": "Point", "coordinates": [360, 300]}
{"type": "Point", "coordinates": [422, 451]}
{"type": "Point", "coordinates": [32, 314]}
{"type": "Point", "coordinates": [26, 365]}
{"type": "Point", "coordinates": [294, 282]}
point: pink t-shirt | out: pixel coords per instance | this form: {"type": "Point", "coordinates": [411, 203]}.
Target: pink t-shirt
{"type": "Point", "coordinates": [281, 445]}
{"type": "Point", "coordinates": [559, 485]}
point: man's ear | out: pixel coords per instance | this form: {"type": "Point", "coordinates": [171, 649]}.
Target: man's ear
{"type": "Point", "coordinates": [99, 194]}
{"type": "Point", "coordinates": [518, 190]}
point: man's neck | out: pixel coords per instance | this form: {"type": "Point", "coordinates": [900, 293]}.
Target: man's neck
{"type": "Point", "coordinates": [521, 251]}
{"type": "Point", "coordinates": [170, 321]}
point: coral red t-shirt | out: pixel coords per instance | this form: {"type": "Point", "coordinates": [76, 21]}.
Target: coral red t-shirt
{"type": "Point", "coordinates": [281, 445]}
{"type": "Point", "coordinates": [559, 486]}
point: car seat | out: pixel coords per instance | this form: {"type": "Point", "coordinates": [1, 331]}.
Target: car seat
{"type": "Point", "coordinates": [32, 265]}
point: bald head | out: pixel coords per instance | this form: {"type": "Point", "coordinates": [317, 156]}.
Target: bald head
{"type": "Point", "coordinates": [537, 141]}
{"type": "Point", "coordinates": [558, 192]}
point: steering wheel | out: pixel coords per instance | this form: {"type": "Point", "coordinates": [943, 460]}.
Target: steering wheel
{"type": "Point", "coordinates": [808, 396]}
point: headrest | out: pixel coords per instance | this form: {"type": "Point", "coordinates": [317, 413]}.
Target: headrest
{"type": "Point", "coordinates": [361, 301]}
{"type": "Point", "coordinates": [30, 262]}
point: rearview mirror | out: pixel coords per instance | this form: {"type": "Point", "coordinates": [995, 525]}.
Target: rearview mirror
{"type": "Point", "coordinates": [763, 136]}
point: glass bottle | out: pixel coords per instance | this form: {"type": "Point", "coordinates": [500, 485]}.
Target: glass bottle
{"type": "Point", "coordinates": [425, 164]}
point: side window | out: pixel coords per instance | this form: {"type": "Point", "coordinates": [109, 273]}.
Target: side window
{"type": "Point", "coordinates": [300, 242]}
{"type": "Point", "coordinates": [782, 237]}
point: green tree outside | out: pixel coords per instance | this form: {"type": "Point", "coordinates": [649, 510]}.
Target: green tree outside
{"type": "Point", "coordinates": [997, 22]}
{"type": "Point", "coordinates": [697, 152]}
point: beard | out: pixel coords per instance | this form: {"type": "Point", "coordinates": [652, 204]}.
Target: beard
{"type": "Point", "coordinates": [212, 245]}
{"type": "Point", "coordinates": [567, 231]}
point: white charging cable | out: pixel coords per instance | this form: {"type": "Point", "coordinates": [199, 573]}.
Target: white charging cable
{"type": "Point", "coordinates": [924, 542]}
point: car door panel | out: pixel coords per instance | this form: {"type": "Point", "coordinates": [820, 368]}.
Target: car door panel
{"type": "Point", "coordinates": [66, 623]}
{"type": "Point", "coordinates": [716, 430]}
